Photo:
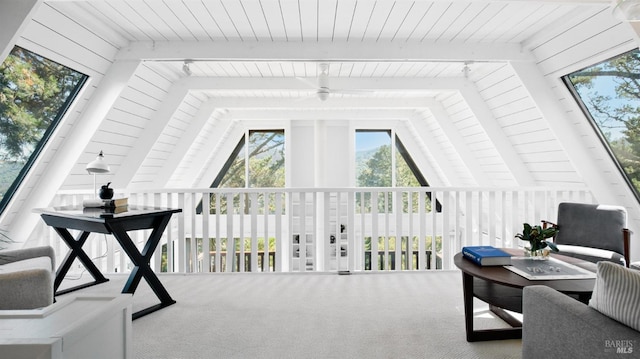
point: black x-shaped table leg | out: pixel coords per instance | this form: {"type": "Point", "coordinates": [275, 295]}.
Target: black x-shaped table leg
{"type": "Point", "coordinates": [141, 264]}
{"type": "Point", "coordinates": [118, 225]}
{"type": "Point", "coordinates": [75, 246]}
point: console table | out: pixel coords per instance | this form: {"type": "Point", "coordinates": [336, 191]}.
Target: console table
{"type": "Point", "coordinates": [93, 220]}
{"type": "Point", "coordinates": [502, 290]}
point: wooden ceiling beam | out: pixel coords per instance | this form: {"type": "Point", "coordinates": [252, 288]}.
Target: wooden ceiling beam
{"type": "Point", "coordinates": [323, 51]}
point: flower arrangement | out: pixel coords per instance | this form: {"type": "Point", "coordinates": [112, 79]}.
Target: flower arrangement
{"type": "Point", "coordinates": [537, 238]}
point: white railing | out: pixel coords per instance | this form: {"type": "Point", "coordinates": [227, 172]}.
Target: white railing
{"type": "Point", "coordinates": [312, 229]}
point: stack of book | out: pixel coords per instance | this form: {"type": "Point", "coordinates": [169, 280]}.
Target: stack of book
{"type": "Point", "coordinates": [486, 255]}
{"type": "Point", "coordinates": [106, 203]}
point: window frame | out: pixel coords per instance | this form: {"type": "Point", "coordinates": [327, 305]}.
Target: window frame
{"type": "Point", "coordinates": [594, 125]}
{"type": "Point", "coordinates": [46, 136]}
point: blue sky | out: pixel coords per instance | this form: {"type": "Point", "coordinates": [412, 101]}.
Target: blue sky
{"type": "Point", "coordinates": [369, 140]}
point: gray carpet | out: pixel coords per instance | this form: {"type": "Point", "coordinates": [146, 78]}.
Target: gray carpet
{"type": "Point", "coordinates": [237, 315]}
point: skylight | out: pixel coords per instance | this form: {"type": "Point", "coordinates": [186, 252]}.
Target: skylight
{"type": "Point", "coordinates": [609, 93]}
{"type": "Point", "coordinates": [35, 93]}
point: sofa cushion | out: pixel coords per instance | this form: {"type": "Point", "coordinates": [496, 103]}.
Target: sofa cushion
{"type": "Point", "coordinates": [616, 293]}
{"type": "Point", "coordinates": [26, 264]}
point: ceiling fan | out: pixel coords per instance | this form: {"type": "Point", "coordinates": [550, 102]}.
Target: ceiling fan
{"type": "Point", "coordinates": [322, 87]}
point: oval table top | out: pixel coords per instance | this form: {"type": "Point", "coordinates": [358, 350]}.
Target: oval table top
{"type": "Point", "coordinates": [500, 275]}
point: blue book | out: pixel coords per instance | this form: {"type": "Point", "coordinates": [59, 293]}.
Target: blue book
{"type": "Point", "coordinates": [486, 255]}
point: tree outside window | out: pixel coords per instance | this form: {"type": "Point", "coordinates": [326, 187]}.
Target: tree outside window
{"type": "Point", "coordinates": [34, 95]}
{"type": "Point", "coordinates": [375, 168]}
{"type": "Point", "coordinates": [256, 163]}
{"type": "Point", "coordinates": [609, 93]}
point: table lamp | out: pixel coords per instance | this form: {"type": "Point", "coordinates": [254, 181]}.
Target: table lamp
{"type": "Point", "coordinates": [97, 166]}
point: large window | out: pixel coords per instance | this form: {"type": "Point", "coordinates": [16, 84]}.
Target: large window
{"type": "Point", "coordinates": [34, 95]}
{"type": "Point", "coordinates": [609, 93]}
{"type": "Point", "coordinates": [256, 163]}
{"type": "Point", "coordinates": [380, 163]}
{"type": "Point", "coordinates": [374, 164]}
{"type": "Point", "coordinates": [261, 165]}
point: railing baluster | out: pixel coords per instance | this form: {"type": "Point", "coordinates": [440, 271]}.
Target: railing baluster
{"type": "Point", "coordinates": [467, 216]}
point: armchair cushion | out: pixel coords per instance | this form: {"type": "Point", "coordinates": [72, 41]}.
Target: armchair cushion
{"type": "Point", "coordinates": [617, 294]}
{"type": "Point", "coordinates": [26, 278]}
{"type": "Point", "coordinates": [591, 225]}
{"type": "Point", "coordinates": [591, 254]}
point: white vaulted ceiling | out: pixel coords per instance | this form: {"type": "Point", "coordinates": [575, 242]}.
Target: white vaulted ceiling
{"type": "Point", "coordinates": [472, 87]}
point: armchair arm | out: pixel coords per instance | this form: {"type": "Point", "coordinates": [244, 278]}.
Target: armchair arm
{"type": "Point", "coordinates": [26, 253]}
{"type": "Point", "coordinates": [626, 237]}
{"type": "Point", "coordinates": [556, 323]}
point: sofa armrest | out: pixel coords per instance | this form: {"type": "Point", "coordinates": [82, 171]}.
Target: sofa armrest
{"type": "Point", "coordinates": [555, 323]}
{"type": "Point", "coordinates": [27, 253]}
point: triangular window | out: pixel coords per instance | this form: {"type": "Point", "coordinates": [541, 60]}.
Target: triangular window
{"type": "Point", "coordinates": [256, 163]}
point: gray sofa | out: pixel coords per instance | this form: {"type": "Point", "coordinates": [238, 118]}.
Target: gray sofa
{"type": "Point", "coordinates": [556, 325]}
{"type": "Point", "coordinates": [26, 278]}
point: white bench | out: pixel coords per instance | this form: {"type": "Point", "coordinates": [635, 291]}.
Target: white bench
{"type": "Point", "coordinates": [79, 326]}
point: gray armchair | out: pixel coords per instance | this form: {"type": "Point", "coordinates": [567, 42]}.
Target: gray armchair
{"type": "Point", "coordinates": [26, 278]}
{"type": "Point", "coordinates": [592, 232]}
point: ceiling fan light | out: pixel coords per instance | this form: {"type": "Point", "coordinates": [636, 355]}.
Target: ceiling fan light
{"type": "Point", "coordinates": [323, 94]}
{"type": "Point", "coordinates": [627, 10]}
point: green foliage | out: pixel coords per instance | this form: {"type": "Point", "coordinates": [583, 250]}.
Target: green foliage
{"type": "Point", "coordinates": [32, 92]}
{"type": "Point", "coordinates": [536, 236]}
{"type": "Point", "coordinates": [611, 93]}
{"type": "Point", "coordinates": [377, 170]}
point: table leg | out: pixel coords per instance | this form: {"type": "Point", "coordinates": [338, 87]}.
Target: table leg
{"type": "Point", "coordinates": [141, 261]}
{"type": "Point", "coordinates": [76, 251]}
{"type": "Point", "coordinates": [484, 334]}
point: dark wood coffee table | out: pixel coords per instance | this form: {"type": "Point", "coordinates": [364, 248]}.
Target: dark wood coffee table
{"type": "Point", "coordinates": [502, 290]}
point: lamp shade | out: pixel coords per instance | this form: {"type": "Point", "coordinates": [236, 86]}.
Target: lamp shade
{"type": "Point", "coordinates": [627, 10]}
{"type": "Point", "coordinates": [98, 165]}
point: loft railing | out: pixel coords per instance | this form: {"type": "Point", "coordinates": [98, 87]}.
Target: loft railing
{"type": "Point", "coordinates": [316, 229]}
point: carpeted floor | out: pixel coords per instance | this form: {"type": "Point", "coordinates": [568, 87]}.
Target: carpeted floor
{"type": "Point", "coordinates": [237, 315]}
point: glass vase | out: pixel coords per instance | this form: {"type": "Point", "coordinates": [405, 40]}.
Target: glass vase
{"type": "Point", "coordinates": [536, 255]}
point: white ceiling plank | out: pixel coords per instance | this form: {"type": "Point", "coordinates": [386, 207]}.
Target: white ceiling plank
{"type": "Point", "coordinates": [479, 20]}
{"type": "Point", "coordinates": [361, 15]}
{"type": "Point", "coordinates": [210, 158]}
{"type": "Point", "coordinates": [290, 11]}
{"type": "Point", "coordinates": [206, 25]}
{"type": "Point", "coordinates": [241, 22]}
{"type": "Point", "coordinates": [257, 21]}
{"type": "Point", "coordinates": [343, 19]}
{"type": "Point", "coordinates": [378, 20]}
{"type": "Point", "coordinates": [206, 111]}
{"type": "Point", "coordinates": [442, 173]}
{"type": "Point", "coordinates": [463, 152]}
{"type": "Point", "coordinates": [498, 138]}
{"type": "Point", "coordinates": [384, 52]}
{"type": "Point", "coordinates": [326, 19]}
{"type": "Point", "coordinates": [150, 134]}
{"type": "Point", "coordinates": [273, 18]}
{"type": "Point", "coordinates": [219, 15]}
{"type": "Point", "coordinates": [309, 21]}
